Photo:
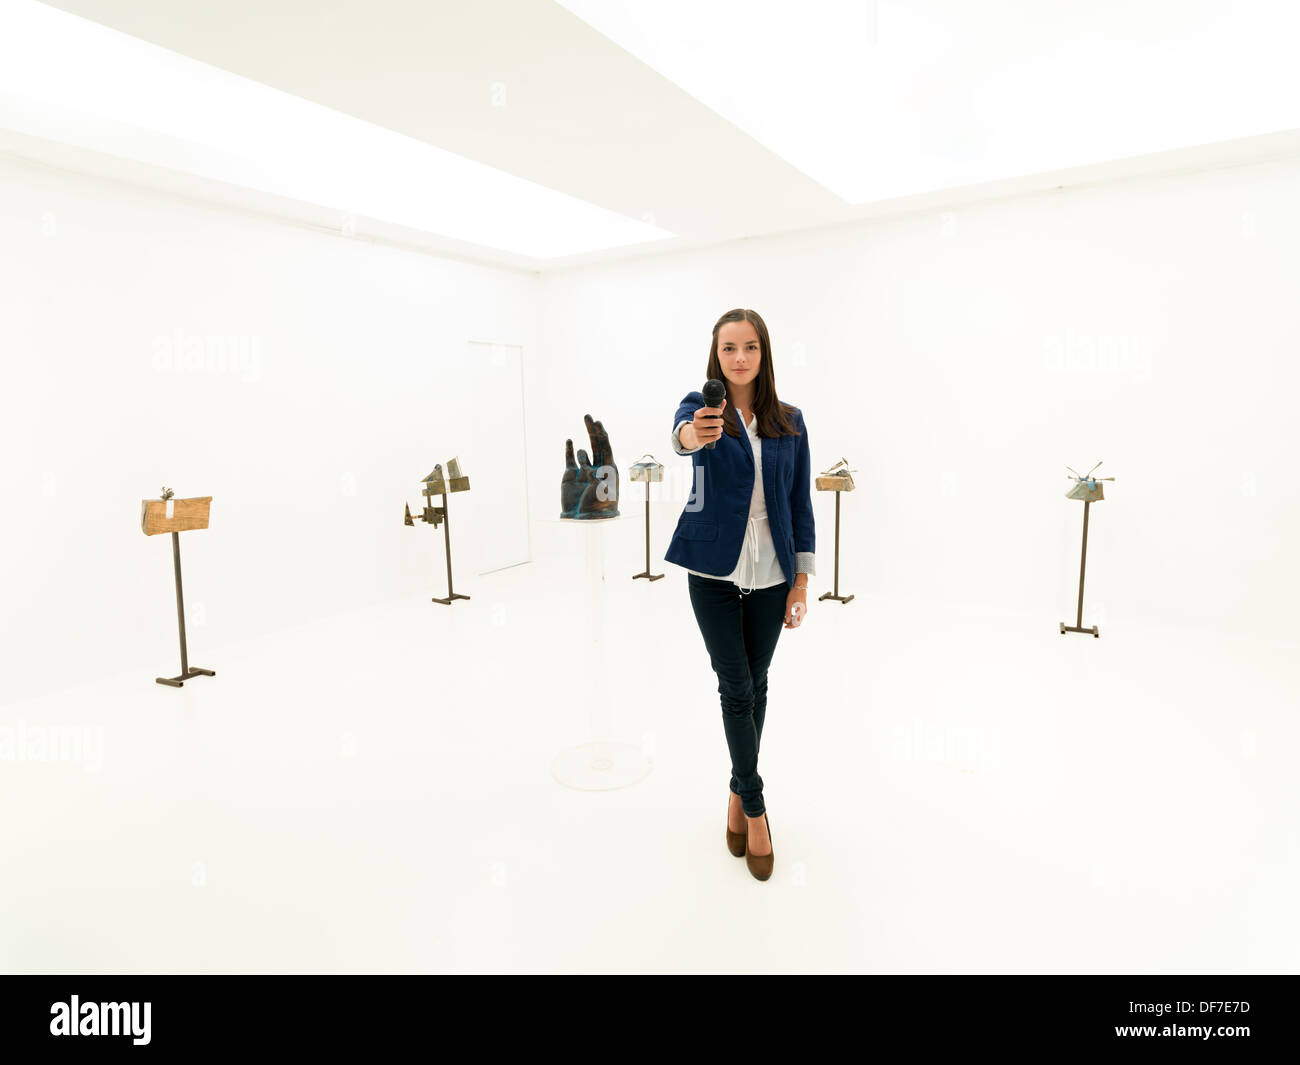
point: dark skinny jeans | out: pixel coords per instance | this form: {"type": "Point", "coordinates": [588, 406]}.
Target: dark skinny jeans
{"type": "Point", "coordinates": [740, 631]}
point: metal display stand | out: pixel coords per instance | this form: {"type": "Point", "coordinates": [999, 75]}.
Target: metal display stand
{"type": "Point", "coordinates": [1087, 488]}
{"type": "Point", "coordinates": [186, 514]}
{"type": "Point", "coordinates": [436, 484]}
{"type": "Point", "coordinates": [446, 539]}
{"type": "Point", "coordinates": [602, 763]}
{"type": "Point", "coordinates": [648, 472]}
{"type": "Point", "coordinates": [835, 592]}
{"type": "Point", "coordinates": [837, 479]}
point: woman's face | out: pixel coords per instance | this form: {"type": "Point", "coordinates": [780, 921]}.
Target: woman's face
{"type": "Point", "coordinates": [739, 352]}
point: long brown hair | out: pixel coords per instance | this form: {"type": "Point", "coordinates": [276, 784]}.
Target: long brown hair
{"type": "Point", "coordinates": [774, 417]}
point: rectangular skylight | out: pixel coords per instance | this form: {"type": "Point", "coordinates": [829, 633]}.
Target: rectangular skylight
{"type": "Point", "coordinates": [70, 80]}
{"type": "Point", "coordinates": [875, 99]}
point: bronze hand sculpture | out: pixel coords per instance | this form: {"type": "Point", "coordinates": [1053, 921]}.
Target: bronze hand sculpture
{"type": "Point", "coordinates": [589, 489]}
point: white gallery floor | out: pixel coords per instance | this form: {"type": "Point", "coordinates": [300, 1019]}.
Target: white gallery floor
{"type": "Point", "coordinates": [948, 791]}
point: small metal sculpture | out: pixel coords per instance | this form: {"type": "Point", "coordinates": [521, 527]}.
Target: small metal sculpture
{"type": "Point", "coordinates": [436, 484]}
{"type": "Point", "coordinates": [1088, 489]}
{"type": "Point", "coordinates": [168, 515]}
{"type": "Point", "coordinates": [649, 472]}
{"type": "Point", "coordinates": [837, 479]}
{"type": "Point", "coordinates": [590, 490]}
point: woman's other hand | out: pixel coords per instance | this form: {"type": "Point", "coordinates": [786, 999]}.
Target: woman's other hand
{"type": "Point", "coordinates": [796, 606]}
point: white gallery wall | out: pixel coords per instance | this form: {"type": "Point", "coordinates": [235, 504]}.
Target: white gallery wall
{"type": "Point", "coordinates": [305, 380]}
{"type": "Point", "coordinates": [960, 359]}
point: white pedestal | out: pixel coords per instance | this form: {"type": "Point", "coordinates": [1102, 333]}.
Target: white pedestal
{"type": "Point", "coordinates": [602, 763]}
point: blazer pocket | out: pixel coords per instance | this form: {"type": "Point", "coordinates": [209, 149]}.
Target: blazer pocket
{"type": "Point", "coordinates": [698, 530]}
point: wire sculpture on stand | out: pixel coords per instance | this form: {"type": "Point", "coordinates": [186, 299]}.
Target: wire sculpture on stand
{"type": "Point", "coordinates": [1087, 488]}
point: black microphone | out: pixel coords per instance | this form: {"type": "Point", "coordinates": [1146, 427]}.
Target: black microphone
{"type": "Point", "coordinates": [714, 393]}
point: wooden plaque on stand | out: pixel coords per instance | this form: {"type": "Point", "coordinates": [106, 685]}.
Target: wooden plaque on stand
{"type": "Point", "coordinates": [170, 515]}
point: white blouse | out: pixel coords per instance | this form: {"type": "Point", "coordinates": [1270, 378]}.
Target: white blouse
{"type": "Point", "coordinates": [758, 566]}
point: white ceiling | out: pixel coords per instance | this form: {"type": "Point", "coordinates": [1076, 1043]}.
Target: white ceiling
{"type": "Point", "coordinates": [529, 88]}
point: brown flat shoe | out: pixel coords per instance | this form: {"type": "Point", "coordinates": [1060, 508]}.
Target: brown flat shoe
{"type": "Point", "coordinates": [760, 865]}
{"type": "Point", "coordinates": [736, 840]}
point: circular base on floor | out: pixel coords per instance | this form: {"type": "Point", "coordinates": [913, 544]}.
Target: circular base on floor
{"type": "Point", "coordinates": [600, 766]}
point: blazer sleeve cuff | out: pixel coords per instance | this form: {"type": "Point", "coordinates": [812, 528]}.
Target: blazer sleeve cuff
{"type": "Point", "coordinates": [677, 444]}
{"type": "Point", "coordinates": [804, 563]}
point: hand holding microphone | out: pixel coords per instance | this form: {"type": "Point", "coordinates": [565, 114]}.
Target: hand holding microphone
{"type": "Point", "coordinates": [707, 425]}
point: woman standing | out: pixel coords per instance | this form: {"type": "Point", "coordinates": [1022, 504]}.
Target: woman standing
{"type": "Point", "coordinates": [746, 540]}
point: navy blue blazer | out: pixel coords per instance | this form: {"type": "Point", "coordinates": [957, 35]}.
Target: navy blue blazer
{"type": "Point", "coordinates": [711, 529]}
